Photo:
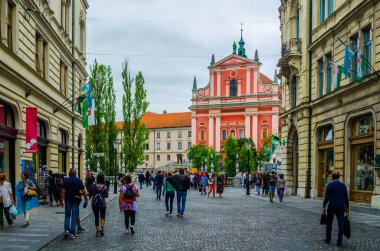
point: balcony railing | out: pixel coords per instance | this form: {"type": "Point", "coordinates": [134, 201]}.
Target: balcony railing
{"type": "Point", "coordinates": [293, 46]}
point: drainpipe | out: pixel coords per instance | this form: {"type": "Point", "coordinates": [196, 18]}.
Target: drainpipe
{"type": "Point", "coordinates": [154, 149]}
{"type": "Point", "coordinates": [308, 179]}
{"type": "Point", "coordinates": [73, 88]}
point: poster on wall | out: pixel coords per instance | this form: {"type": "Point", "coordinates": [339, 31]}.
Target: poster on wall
{"type": "Point", "coordinates": [31, 130]}
{"type": "Point", "coordinates": [28, 167]}
{"type": "Point", "coordinates": [2, 145]}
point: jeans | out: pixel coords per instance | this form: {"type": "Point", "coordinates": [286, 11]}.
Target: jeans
{"type": "Point", "coordinates": [338, 211]}
{"type": "Point", "coordinates": [129, 214]}
{"type": "Point", "coordinates": [71, 211]}
{"type": "Point", "coordinates": [169, 196]}
{"type": "Point", "coordinates": [141, 184]}
{"type": "Point", "coordinates": [181, 197]}
{"type": "Point", "coordinates": [7, 216]}
{"type": "Point", "coordinates": [280, 192]}
{"type": "Point", "coordinates": [99, 212]}
{"type": "Point", "coordinates": [158, 191]}
{"type": "Point", "coordinates": [204, 189]}
{"type": "Point", "coordinates": [258, 188]}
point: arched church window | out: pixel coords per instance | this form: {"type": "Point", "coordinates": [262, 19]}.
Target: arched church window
{"type": "Point", "coordinates": [233, 88]}
{"type": "Point", "coordinates": [233, 133]}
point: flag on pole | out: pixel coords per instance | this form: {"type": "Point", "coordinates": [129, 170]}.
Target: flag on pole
{"type": "Point", "coordinates": [31, 130]}
{"type": "Point", "coordinates": [348, 54]}
{"type": "Point", "coordinates": [361, 65]}
{"type": "Point", "coordinates": [91, 115]}
{"type": "Point", "coordinates": [338, 70]}
{"type": "Point", "coordinates": [80, 100]}
{"type": "Point", "coordinates": [88, 106]}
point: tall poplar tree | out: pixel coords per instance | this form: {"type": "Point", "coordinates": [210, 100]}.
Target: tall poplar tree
{"type": "Point", "coordinates": [134, 108]}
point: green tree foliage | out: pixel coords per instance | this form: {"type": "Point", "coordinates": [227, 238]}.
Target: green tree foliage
{"type": "Point", "coordinates": [197, 155]}
{"type": "Point", "coordinates": [230, 149]}
{"type": "Point", "coordinates": [99, 136]}
{"type": "Point", "coordinates": [216, 157]}
{"type": "Point", "coordinates": [134, 107]}
{"type": "Point", "coordinates": [243, 159]}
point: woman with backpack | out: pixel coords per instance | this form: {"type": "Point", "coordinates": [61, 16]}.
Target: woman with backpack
{"type": "Point", "coordinates": [99, 193]}
{"type": "Point", "coordinates": [128, 204]}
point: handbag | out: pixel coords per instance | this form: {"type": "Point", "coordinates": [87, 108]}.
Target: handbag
{"type": "Point", "coordinates": [347, 227]}
{"type": "Point", "coordinates": [13, 212]}
{"type": "Point", "coordinates": [31, 193]}
{"type": "Point", "coordinates": [323, 219]}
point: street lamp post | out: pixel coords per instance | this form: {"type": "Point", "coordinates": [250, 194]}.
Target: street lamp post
{"type": "Point", "coordinates": [116, 144]}
{"type": "Point", "coordinates": [237, 164]}
{"type": "Point", "coordinates": [212, 164]}
{"type": "Point", "coordinates": [248, 145]}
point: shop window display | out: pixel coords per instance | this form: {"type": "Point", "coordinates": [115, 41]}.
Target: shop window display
{"type": "Point", "coordinates": [363, 167]}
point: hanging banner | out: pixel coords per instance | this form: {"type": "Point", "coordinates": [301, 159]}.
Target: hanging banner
{"type": "Point", "coordinates": [2, 145]}
{"type": "Point", "coordinates": [31, 130]}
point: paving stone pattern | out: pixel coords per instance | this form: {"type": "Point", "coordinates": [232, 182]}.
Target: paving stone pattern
{"type": "Point", "coordinates": [234, 222]}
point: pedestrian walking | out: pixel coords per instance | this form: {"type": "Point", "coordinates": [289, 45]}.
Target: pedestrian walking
{"type": "Point", "coordinates": [168, 192]}
{"type": "Point", "coordinates": [272, 182]}
{"type": "Point", "coordinates": [204, 182]}
{"type": "Point", "coordinates": [72, 191]}
{"type": "Point", "coordinates": [147, 179]}
{"type": "Point", "coordinates": [196, 180]}
{"type": "Point", "coordinates": [159, 182]}
{"type": "Point", "coordinates": [26, 197]}
{"type": "Point", "coordinates": [336, 198]}
{"type": "Point", "coordinates": [89, 182]}
{"type": "Point", "coordinates": [50, 183]}
{"type": "Point", "coordinates": [141, 179]}
{"type": "Point", "coordinates": [281, 187]}
{"type": "Point", "coordinates": [211, 184]}
{"type": "Point", "coordinates": [181, 183]}
{"type": "Point", "coordinates": [99, 193]}
{"type": "Point", "coordinates": [6, 200]}
{"type": "Point", "coordinates": [220, 185]}
{"type": "Point", "coordinates": [265, 184]}
{"type": "Point", "coordinates": [258, 183]}
{"type": "Point", "coordinates": [128, 203]}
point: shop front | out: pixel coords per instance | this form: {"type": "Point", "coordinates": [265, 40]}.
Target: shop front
{"type": "Point", "coordinates": [8, 135]}
{"type": "Point", "coordinates": [325, 157]}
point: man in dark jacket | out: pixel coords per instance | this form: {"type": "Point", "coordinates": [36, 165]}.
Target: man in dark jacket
{"type": "Point", "coordinates": [159, 182]}
{"type": "Point", "coordinates": [336, 197]}
{"type": "Point", "coordinates": [181, 183]}
{"type": "Point", "coordinates": [141, 179]}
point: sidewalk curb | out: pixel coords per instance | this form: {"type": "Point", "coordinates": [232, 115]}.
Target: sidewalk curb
{"type": "Point", "coordinates": [53, 238]}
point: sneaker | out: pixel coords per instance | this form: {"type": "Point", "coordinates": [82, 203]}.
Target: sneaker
{"type": "Point", "coordinates": [170, 215]}
{"type": "Point", "coordinates": [71, 236]}
{"type": "Point", "coordinates": [167, 214]}
{"type": "Point", "coordinates": [10, 226]}
{"type": "Point", "coordinates": [97, 233]}
{"type": "Point", "coordinates": [102, 231]}
{"type": "Point", "coordinates": [127, 231]}
{"type": "Point", "coordinates": [67, 233]}
{"type": "Point", "coordinates": [132, 230]}
{"type": "Point", "coordinates": [80, 229]}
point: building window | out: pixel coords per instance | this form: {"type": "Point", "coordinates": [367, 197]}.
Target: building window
{"type": "Point", "coordinates": [363, 156]}
{"type": "Point", "coordinates": [64, 79]}
{"type": "Point", "coordinates": [158, 146]}
{"type": "Point", "coordinates": [367, 50]}
{"type": "Point", "coordinates": [179, 145]}
{"type": "Point", "coordinates": [62, 137]}
{"type": "Point", "coordinates": [179, 134]}
{"type": "Point", "coordinates": [168, 135]}
{"type": "Point", "coordinates": [326, 134]}
{"type": "Point", "coordinates": [265, 133]}
{"type": "Point", "coordinates": [224, 134]}
{"type": "Point", "coordinates": [294, 92]}
{"type": "Point", "coordinates": [241, 133]}
{"type": "Point", "coordinates": [189, 134]}
{"type": "Point", "coordinates": [330, 7]}
{"type": "Point", "coordinates": [168, 157]}
{"type": "Point", "coordinates": [188, 145]}
{"type": "Point", "coordinates": [362, 125]}
{"type": "Point", "coordinates": [41, 56]}
{"type": "Point", "coordinates": [147, 157]}
{"type": "Point", "coordinates": [329, 73]}
{"type": "Point", "coordinates": [41, 129]}
{"type": "Point", "coordinates": [325, 7]}
{"type": "Point", "coordinates": [146, 146]}
{"type": "Point", "coordinates": [202, 135]}
{"type": "Point", "coordinates": [233, 88]}
{"type": "Point", "coordinates": [62, 149]}
{"type": "Point", "coordinates": [298, 26]}
{"type": "Point", "coordinates": [320, 77]}
{"type": "Point", "coordinates": [158, 157]}
{"type": "Point", "coordinates": [354, 65]}
{"type": "Point", "coordinates": [10, 24]}
{"type": "Point", "coordinates": [168, 146]}
{"type": "Point", "coordinates": [158, 135]}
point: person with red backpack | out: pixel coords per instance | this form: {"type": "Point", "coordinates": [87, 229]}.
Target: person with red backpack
{"type": "Point", "coordinates": [128, 204]}
{"type": "Point", "coordinates": [99, 193]}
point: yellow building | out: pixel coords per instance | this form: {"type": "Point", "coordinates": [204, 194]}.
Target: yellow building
{"type": "Point", "coordinates": [42, 64]}
{"type": "Point", "coordinates": [326, 128]}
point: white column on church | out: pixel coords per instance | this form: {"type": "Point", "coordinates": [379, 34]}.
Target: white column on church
{"type": "Point", "coordinates": [239, 88]}
{"type": "Point", "coordinates": [193, 130]}
{"type": "Point", "coordinates": [217, 133]}
{"type": "Point", "coordinates": [247, 126]}
{"type": "Point", "coordinates": [255, 132]}
{"type": "Point", "coordinates": [218, 83]}
{"type": "Point", "coordinates": [255, 75]}
{"type": "Point", "coordinates": [211, 130]}
{"type": "Point", "coordinates": [227, 88]}
{"type": "Point", "coordinates": [274, 123]}
{"type": "Point", "coordinates": [248, 84]}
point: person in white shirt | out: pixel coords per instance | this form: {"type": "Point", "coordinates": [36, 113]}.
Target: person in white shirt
{"type": "Point", "coordinates": [6, 200]}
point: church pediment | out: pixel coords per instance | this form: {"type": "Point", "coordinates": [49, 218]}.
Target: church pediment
{"type": "Point", "coordinates": [232, 60]}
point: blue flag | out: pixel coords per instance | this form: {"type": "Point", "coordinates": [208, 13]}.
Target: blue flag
{"type": "Point", "coordinates": [348, 54]}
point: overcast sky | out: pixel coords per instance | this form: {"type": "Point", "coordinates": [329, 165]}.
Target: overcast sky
{"type": "Point", "coordinates": [171, 41]}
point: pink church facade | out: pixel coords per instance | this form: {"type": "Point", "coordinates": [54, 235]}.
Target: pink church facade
{"type": "Point", "coordinates": [239, 100]}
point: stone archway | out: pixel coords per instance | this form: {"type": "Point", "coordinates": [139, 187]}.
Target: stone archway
{"type": "Point", "coordinates": [292, 153]}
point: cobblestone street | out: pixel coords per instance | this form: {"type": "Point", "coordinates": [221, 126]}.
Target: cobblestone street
{"type": "Point", "coordinates": [233, 222]}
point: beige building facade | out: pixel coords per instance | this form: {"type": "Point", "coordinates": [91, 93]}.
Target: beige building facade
{"type": "Point", "coordinates": [326, 127]}
{"type": "Point", "coordinates": [43, 65]}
